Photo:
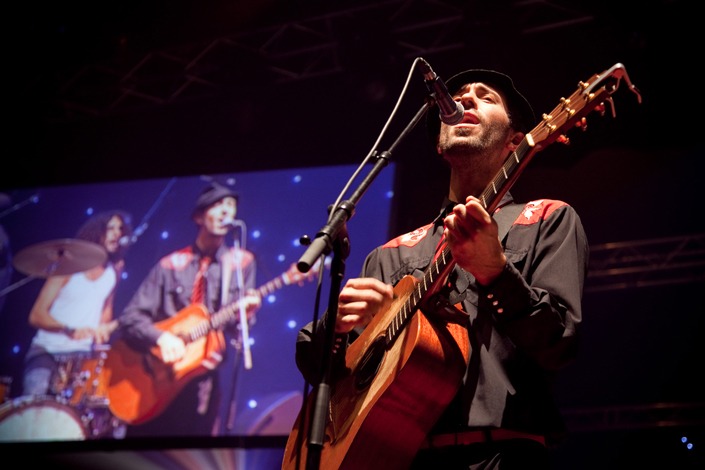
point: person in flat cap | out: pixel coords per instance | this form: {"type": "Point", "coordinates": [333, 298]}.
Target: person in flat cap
{"type": "Point", "coordinates": [495, 312]}
{"type": "Point", "coordinates": [208, 277]}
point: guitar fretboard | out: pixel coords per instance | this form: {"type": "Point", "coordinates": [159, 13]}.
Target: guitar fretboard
{"type": "Point", "coordinates": [230, 313]}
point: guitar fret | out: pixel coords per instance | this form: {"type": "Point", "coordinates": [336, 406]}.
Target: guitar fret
{"type": "Point", "coordinates": [396, 325]}
{"type": "Point", "coordinates": [391, 330]}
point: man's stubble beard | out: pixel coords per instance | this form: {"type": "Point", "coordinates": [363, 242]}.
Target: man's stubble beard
{"type": "Point", "coordinates": [463, 144]}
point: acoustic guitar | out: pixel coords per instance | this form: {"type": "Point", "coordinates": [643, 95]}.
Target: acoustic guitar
{"type": "Point", "coordinates": [140, 385]}
{"type": "Point", "coordinates": [407, 365]}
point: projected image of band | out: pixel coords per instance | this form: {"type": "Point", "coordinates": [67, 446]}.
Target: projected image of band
{"type": "Point", "coordinates": [166, 307]}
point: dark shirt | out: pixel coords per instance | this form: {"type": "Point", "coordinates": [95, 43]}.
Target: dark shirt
{"type": "Point", "coordinates": [522, 327]}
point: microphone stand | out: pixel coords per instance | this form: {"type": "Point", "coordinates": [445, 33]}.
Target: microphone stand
{"type": "Point", "coordinates": [30, 200]}
{"type": "Point", "coordinates": [334, 237]}
{"type": "Point", "coordinates": [244, 327]}
{"type": "Point", "coordinates": [7, 289]}
{"type": "Point", "coordinates": [144, 223]}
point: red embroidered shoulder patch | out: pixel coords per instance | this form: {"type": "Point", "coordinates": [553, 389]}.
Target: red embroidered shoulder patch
{"type": "Point", "coordinates": [409, 239]}
{"type": "Point", "coordinates": [177, 260]}
{"type": "Point", "coordinates": [538, 210]}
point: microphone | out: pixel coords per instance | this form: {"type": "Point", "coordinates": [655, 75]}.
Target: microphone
{"type": "Point", "coordinates": [128, 241]}
{"type": "Point", "coordinates": [450, 111]}
{"type": "Point", "coordinates": [237, 223]}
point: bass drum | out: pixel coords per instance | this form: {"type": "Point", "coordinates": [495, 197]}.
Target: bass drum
{"type": "Point", "coordinates": [39, 419]}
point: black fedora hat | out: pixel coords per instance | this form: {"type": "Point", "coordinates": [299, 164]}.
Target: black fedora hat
{"type": "Point", "coordinates": [522, 114]}
{"type": "Point", "coordinates": [211, 194]}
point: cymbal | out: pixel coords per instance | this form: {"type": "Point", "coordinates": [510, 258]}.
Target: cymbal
{"type": "Point", "coordinates": [62, 256]}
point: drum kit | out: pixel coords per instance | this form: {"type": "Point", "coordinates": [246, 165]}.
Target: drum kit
{"type": "Point", "coordinates": [76, 407]}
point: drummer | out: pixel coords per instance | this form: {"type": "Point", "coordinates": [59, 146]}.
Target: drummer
{"type": "Point", "coordinates": [74, 310]}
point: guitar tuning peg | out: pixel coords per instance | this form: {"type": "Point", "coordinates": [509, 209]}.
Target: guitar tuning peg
{"type": "Point", "coordinates": [563, 139]}
{"type": "Point", "coordinates": [582, 124]}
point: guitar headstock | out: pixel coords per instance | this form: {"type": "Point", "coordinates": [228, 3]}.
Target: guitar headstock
{"type": "Point", "coordinates": [570, 112]}
{"type": "Point", "coordinates": [293, 275]}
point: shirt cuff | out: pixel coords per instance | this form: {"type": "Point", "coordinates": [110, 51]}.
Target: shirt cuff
{"type": "Point", "coordinates": [507, 296]}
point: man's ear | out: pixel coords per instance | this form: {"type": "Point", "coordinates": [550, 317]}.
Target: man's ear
{"type": "Point", "coordinates": [516, 140]}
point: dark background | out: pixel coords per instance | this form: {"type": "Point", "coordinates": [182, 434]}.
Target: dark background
{"type": "Point", "coordinates": [129, 90]}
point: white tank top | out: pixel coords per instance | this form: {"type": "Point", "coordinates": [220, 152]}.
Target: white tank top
{"type": "Point", "coordinates": [79, 304]}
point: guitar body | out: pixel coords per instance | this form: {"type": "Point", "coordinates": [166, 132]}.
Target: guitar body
{"type": "Point", "coordinates": [389, 398]}
{"type": "Point", "coordinates": [141, 386]}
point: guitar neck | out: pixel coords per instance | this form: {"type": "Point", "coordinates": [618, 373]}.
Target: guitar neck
{"type": "Point", "coordinates": [273, 285]}
{"type": "Point", "coordinates": [230, 313]}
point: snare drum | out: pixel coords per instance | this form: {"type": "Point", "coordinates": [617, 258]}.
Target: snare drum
{"type": "Point", "coordinates": [39, 418]}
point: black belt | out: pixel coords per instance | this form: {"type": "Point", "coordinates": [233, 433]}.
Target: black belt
{"type": "Point", "coordinates": [479, 436]}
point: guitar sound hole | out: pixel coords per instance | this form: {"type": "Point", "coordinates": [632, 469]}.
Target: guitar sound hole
{"type": "Point", "coordinates": [369, 364]}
